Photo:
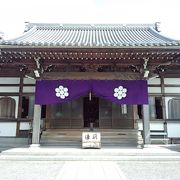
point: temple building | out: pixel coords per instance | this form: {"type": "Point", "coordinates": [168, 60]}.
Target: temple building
{"type": "Point", "coordinates": [118, 77]}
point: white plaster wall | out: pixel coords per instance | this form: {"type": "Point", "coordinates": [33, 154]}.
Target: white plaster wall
{"type": "Point", "coordinates": [6, 80]}
{"type": "Point", "coordinates": [29, 81]}
{"type": "Point", "coordinates": [155, 81]}
{"type": "Point", "coordinates": [172, 81]}
{"type": "Point", "coordinates": [25, 125]}
{"type": "Point", "coordinates": [29, 89]}
{"type": "Point", "coordinates": [8, 129]}
{"type": "Point", "coordinates": [154, 90]}
{"type": "Point", "coordinates": [154, 125]}
{"type": "Point", "coordinates": [10, 89]}
{"type": "Point", "coordinates": [172, 90]}
{"type": "Point", "coordinates": [173, 129]}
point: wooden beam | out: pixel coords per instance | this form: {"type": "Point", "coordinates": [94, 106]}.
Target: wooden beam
{"type": "Point", "coordinates": [91, 75]}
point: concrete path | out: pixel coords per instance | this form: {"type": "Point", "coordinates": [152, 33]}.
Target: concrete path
{"type": "Point", "coordinates": [90, 170]}
{"type": "Point", "coordinates": [58, 163]}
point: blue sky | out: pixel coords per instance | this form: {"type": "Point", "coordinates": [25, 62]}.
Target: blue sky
{"type": "Point", "coordinates": [13, 14]}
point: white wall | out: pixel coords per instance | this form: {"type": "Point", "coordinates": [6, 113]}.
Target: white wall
{"type": "Point", "coordinates": [173, 129]}
{"type": "Point", "coordinates": [25, 126]}
{"type": "Point", "coordinates": [154, 125]}
{"type": "Point", "coordinates": [172, 81]}
{"type": "Point", "coordinates": [7, 129]}
{"type": "Point", "coordinates": [9, 80]}
{"type": "Point", "coordinates": [154, 90]}
{"type": "Point", "coordinates": [29, 89]}
{"type": "Point", "coordinates": [155, 81]}
{"type": "Point", "coordinates": [29, 81]}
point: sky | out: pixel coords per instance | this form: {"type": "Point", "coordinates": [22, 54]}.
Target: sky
{"type": "Point", "coordinates": [14, 13]}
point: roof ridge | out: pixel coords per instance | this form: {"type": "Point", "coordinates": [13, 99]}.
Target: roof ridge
{"type": "Point", "coordinates": [61, 25]}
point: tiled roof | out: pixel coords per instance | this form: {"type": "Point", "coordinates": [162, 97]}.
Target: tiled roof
{"type": "Point", "coordinates": [91, 36]}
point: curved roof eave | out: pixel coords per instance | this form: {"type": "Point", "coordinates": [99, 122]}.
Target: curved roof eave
{"type": "Point", "coordinates": [90, 36]}
{"type": "Point", "coordinates": [67, 47]}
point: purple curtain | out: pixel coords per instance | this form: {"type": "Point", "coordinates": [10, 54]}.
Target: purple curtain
{"type": "Point", "coordinates": [117, 91]}
{"type": "Point", "coordinates": [59, 91]}
{"type": "Point", "coordinates": [122, 91]}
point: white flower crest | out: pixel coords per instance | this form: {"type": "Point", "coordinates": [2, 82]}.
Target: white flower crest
{"type": "Point", "coordinates": [120, 92]}
{"type": "Point", "coordinates": [62, 92]}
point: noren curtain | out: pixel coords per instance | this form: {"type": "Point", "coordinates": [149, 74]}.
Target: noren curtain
{"type": "Point", "coordinates": [117, 91]}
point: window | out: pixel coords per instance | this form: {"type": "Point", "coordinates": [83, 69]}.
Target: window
{"type": "Point", "coordinates": [122, 111]}
{"type": "Point", "coordinates": [105, 109]}
{"type": "Point", "coordinates": [174, 108]}
{"type": "Point", "coordinates": [7, 107]}
{"type": "Point", "coordinates": [158, 108]}
{"type": "Point", "coordinates": [27, 107]}
{"type": "Point", "coordinates": [155, 108]}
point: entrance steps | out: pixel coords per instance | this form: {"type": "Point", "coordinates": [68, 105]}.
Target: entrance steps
{"type": "Point", "coordinates": [109, 137]}
{"type": "Point", "coordinates": [151, 153]}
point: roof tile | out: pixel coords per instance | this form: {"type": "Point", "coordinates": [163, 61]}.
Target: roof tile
{"type": "Point", "coordinates": [91, 36]}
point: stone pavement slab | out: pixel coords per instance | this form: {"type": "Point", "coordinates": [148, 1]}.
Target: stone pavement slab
{"type": "Point", "coordinates": [90, 170]}
{"type": "Point", "coordinates": [151, 152]}
{"type": "Point", "coordinates": [29, 170]}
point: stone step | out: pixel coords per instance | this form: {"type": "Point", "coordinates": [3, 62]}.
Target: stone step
{"type": "Point", "coordinates": [80, 136]}
{"type": "Point", "coordinates": [91, 158]}
{"type": "Point", "coordinates": [109, 137]}
{"type": "Point", "coordinates": [79, 144]}
{"type": "Point", "coordinates": [57, 153]}
{"type": "Point", "coordinates": [79, 132]}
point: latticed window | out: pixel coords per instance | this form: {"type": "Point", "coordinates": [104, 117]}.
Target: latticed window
{"type": "Point", "coordinates": [7, 107]}
{"type": "Point", "coordinates": [174, 108]}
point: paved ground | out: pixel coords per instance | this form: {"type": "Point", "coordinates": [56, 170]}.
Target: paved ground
{"type": "Point", "coordinates": [89, 170]}
{"type": "Point", "coordinates": [150, 170]}
{"type": "Point", "coordinates": [54, 163]}
{"type": "Point", "coordinates": [29, 170]}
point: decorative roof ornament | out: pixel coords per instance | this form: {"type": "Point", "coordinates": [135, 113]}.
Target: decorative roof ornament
{"type": "Point", "coordinates": [1, 35]}
{"type": "Point", "coordinates": [158, 26]}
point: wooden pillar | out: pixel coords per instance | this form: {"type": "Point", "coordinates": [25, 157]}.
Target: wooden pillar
{"type": "Point", "coordinates": [163, 103]}
{"type": "Point", "coordinates": [36, 125]}
{"type": "Point", "coordinates": [19, 105]}
{"type": "Point", "coordinates": [146, 125]}
{"type": "Point", "coordinates": [135, 112]}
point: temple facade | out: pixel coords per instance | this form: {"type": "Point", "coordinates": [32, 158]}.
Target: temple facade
{"type": "Point", "coordinates": [74, 76]}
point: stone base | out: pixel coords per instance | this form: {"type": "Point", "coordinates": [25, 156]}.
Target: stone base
{"type": "Point", "coordinates": [34, 145]}
{"type": "Point", "coordinates": [146, 145]}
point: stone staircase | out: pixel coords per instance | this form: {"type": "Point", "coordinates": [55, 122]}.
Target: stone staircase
{"type": "Point", "coordinates": [109, 137]}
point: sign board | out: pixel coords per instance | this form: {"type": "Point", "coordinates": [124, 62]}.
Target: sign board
{"type": "Point", "coordinates": [91, 140]}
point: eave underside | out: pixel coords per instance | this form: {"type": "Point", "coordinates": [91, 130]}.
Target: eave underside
{"type": "Point", "coordinates": [51, 62]}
